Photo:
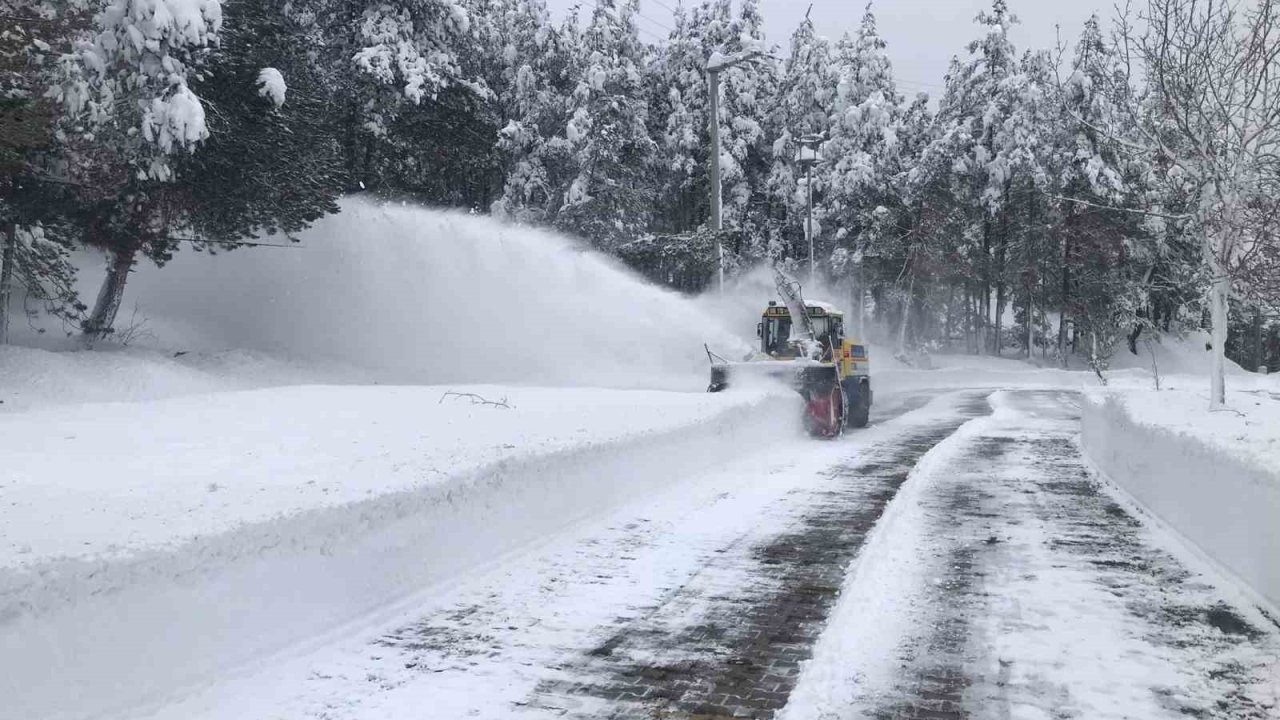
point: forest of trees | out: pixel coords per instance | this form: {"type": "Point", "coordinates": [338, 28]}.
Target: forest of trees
{"type": "Point", "coordinates": [1123, 183]}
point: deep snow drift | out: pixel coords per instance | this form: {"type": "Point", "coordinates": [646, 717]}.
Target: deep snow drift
{"type": "Point", "coordinates": [427, 296]}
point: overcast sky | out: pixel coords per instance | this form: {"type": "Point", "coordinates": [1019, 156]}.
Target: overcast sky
{"type": "Point", "coordinates": [923, 35]}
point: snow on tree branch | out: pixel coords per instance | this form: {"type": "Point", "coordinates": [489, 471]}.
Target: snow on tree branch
{"type": "Point", "coordinates": [133, 69]}
{"type": "Point", "coordinates": [271, 85]}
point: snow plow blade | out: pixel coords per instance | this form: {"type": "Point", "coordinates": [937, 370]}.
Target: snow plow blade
{"type": "Point", "coordinates": [801, 377]}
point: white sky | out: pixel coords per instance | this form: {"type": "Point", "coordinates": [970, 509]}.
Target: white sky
{"type": "Point", "coordinates": [922, 35]}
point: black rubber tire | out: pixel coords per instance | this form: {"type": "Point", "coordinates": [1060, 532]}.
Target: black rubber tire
{"type": "Point", "coordinates": [860, 412]}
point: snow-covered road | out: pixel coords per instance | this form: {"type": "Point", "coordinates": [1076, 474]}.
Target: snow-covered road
{"type": "Point", "coordinates": [949, 561]}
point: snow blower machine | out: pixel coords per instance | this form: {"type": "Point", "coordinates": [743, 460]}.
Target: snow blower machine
{"type": "Point", "coordinates": [804, 346]}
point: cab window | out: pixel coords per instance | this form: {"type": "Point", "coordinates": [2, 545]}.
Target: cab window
{"type": "Point", "coordinates": [777, 330]}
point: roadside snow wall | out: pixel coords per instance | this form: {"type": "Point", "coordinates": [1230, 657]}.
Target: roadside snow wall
{"type": "Point", "coordinates": [112, 638]}
{"type": "Point", "coordinates": [1227, 506]}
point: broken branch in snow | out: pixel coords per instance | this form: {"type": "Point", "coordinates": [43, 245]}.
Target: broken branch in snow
{"type": "Point", "coordinates": [477, 400]}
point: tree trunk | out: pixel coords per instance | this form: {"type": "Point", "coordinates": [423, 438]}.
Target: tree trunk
{"type": "Point", "coordinates": [984, 319]}
{"type": "Point", "coordinates": [970, 316]}
{"type": "Point", "coordinates": [103, 317]}
{"type": "Point", "coordinates": [858, 300]}
{"type": "Point", "coordinates": [1066, 293]}
{"type": "Point", "coordinates": [1002, 259]}
{"type": "Point", "coordinates": [984, 301]}
{"type": "Point", "coordinates": [948, 322]}
{"type": "Point", "coordinates": [1257, 340]}
{"type": "Point", "coordinates": [1218, 299]}
{"type": "Point", "coordinates": [7, 260]}
{"type": "Point", "coordinates": [1031, 313]}
{"type": "Point", "coordinates": [906, 315]}
{"type": "Point", "coordinates": [999, 319]}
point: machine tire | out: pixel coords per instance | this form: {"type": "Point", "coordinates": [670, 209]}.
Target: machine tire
{"type": "Point", "coordinates": [859, 393]}
{"type": "Point", "coordinates": [836, 403]}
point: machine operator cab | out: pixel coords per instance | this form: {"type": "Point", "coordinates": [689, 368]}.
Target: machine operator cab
{"type": "Point", "coordinates": [774, 331]}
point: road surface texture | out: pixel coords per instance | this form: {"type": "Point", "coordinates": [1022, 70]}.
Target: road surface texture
{"type": "Point", "coordinates": [956, 559]}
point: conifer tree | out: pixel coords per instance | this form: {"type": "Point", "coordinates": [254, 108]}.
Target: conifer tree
{"type": "Point", "coordinates": [609, 200]}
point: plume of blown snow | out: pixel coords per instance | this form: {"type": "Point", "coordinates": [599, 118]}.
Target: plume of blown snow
{"type": "Point", "coordinates": [426, 296]}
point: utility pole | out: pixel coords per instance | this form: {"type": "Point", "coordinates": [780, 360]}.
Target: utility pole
{"type": "Point", "coordinates": [715, 65]}
{"type": "Point", "coordinates": [809, 156]}
{"type": "Point", "coordinates": [808, 219]}
{"type": "Point", "coordinates": [713, 86]}
{"type": "Point", "coordinates": [862, 305]}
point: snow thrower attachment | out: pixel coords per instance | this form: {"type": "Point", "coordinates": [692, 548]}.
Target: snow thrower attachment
{"type": "Point", "coordinates": [806, 350]}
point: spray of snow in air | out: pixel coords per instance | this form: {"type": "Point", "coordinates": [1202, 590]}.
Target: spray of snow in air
{"type": "Point", "coordinates": [425, 296]}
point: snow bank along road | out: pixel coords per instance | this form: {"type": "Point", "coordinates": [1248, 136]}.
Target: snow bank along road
{"type": "Point", "coordinates": [141, 554]}
{"type": "Point", "coordinates": [957, 559]}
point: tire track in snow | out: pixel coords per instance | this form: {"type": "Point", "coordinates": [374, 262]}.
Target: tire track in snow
{"type": "Point", "coordinates": [736, 650]}
{"type": "Point", "coordinates": [1050, 599]}
{"type": "Point", "coordinates": [509, 640]}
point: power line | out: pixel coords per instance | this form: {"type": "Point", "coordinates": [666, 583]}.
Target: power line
{"type": "Point", "coordinates": [651, 33]}
{"type": "Point", "coordinates": [645, 30]}
{"type": "Point", "coordinates": [655, 22]}
{"type": "Point", "coordinates": [907, 81]}
{"type": "Point", "coordinates": [664, 6]}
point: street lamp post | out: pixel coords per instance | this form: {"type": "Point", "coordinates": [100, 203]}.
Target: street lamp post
{"type": "Point", "coordinates": [809, 156]}
{"type": "Point", "coordinates": [715, 65]}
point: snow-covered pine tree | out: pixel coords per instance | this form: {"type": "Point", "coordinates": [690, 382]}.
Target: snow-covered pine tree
{"type": "Point", "coordinates": [1030, 144]}
{"type": "Point", "coordinates": [864, 205]}
{"type": "Point", "coordinates": [861, 150]}
{"type": "Point", "coordinates": [677, 91]}
{"type": "Point", "coordinates": [746, 93]}
{"type": "Point", "coordinates": [532, 83]}
{"type": "Point", "coordinates": [970, 114]}
{"type": "Point", "coordinates": [273, 160]}
{"type": "Point", "coordinates": [34, 203]}
{"type": "Point", "coordinates": [610, 198]}
{"type": "Point", "coordinates": [804, 106]}
{"type": "Point", "coordinates": [124, 96]}
{"type": "Point", "coordinates": [402, 76]}
{"type": "Point", "coordinates": [131, 70]}
{"type": "Point", "coordinates": [1094, 283]}
{"type": "Point", "coordinates": [407, 50]}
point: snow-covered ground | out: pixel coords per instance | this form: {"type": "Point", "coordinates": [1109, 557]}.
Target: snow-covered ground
{"type": "Point", "coordinates": [275, 455]}
{"type": "Point", "coordinates": [36, 378]}
{"type": "Point", "coordinates": [1006, 581]}
{"type": "Point", "coordinates": [206, 533]}
{"type": "Point", "coordinates": [481, 646]}
{"type": "Point", "coordinates": [111, 480]}
{"type": "Point", "coordinates": [1002, 578]}
{"type": "Point", "coordinates": [273, 473]}
{"type": "Point", "coordinates": [240, 523]}
{"type": "Point", "coordinates": [1213, 478]}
